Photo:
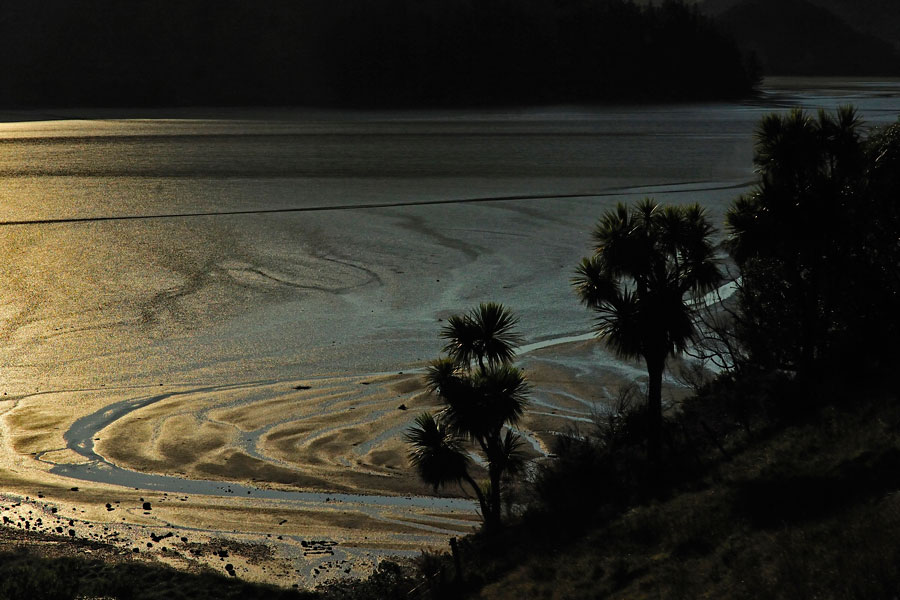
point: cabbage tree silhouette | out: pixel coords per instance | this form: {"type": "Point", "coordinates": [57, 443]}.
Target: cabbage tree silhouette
{"type": "Point", "coordinates": [484, 396]}
{"type": "Point", "coordinates": [648, 262]}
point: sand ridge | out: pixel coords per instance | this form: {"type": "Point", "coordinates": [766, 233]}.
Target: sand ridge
{"type": "Point", "coordinates": [310, 472]}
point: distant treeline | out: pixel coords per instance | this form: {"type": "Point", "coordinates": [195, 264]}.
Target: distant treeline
{"type": "Point", "coordinates": [360, 52]}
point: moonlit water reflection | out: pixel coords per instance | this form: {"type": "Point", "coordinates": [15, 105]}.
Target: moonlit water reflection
{"type": "Point", "coordinates": [169, 335]}
{"type": "Point", "coordinates": [232, 298]}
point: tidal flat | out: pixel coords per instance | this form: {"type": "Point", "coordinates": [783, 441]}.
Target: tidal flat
{"type": "Point", "coordinates": [225, 313]}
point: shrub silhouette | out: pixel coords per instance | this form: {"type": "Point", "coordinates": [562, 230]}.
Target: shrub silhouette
{"type": "Point", "coordinates": [816, 243]}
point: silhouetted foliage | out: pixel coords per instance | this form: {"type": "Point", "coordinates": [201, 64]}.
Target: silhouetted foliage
{"type": "Point", "coordinates": [485, 335]}
{"type": "Point", "coordinates": [483, 395]}
{"type": "Point", "coordinates": [597, 467]}
{"type": "Point", "coordinates": [773, 487]}
{"type": "Point", "coordinates": [359, 52]}
{"type": "Point", "coordinates": [816, 243]}
{"type": "Point", "coordinates": [649, 263]}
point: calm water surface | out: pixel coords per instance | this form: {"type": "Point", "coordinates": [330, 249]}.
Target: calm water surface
{"type": "Point", "coordinates": [339, 287]}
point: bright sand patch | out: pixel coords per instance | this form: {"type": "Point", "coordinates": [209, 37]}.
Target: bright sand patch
{"type": "Point", "coordinates": [263, 447]}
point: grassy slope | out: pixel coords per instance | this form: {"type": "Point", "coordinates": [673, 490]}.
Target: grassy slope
{"type": "Point", "coordinates": [37, 565]}
{"type": "Point", "coordinates": [810, 511]}
{"type": "Point", "coordinates": [807, 510]}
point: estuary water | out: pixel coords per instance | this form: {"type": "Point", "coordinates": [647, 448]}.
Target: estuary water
{"type": "Point", "coordinates": [207, 310]}
{"type": "Point", "coordinates": [198, 247]}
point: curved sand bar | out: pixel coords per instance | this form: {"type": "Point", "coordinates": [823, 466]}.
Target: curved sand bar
{"type": "Point", "coordinates": [314, 469]}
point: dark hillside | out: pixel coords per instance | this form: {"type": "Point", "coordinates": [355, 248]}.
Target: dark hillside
{"type": "Point", "coordinates": [359, 53]}
{"type": "Point", "coordinates": [878, 18]}
{"type": "Point", "coordinates": [796, 37]}
{"type": "Point", "coordinates": [810, 511]}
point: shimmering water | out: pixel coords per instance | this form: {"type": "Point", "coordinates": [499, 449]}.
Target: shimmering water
{"type": "Point", "coordinates": [337, 287]}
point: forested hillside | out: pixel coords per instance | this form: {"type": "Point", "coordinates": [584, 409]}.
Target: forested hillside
{"type": "Point", "coordinates": [359, 53]}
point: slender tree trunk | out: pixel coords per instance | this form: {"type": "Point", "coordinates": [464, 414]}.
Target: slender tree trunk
{"type": "Point", "coordinates": [655, 367]}
{"type": "Point", "coordinates": [482, 501]}
{"type": "Point", "coordinates": [495, 473]}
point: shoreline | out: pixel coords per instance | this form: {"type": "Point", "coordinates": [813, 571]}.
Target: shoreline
{"type": "Point", "coordinates": [770, 84]}
{"type": "Point", "coordinates": [357, 530]}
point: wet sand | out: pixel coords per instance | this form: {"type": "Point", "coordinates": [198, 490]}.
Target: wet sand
{"type": "Point", "coordinates": [240, 371]}
{"type": "Point", "coordinates": [311, 475]}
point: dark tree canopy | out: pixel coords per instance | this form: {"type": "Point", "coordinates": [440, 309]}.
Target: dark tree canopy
{"type": "Point", "coordinates": [483, 396]}
{"type": "Point", "coordinates": [648, 264]}
{"type": "Point", "coordinates": [817, 242]}
{"type": "Point", "coordinates": [359, 52]}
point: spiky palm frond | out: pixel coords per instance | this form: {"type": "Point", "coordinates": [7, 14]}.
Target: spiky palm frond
{"type": "Point", "coordinates": [619, 241]}
{"type": "Point", "coordinates": [486, 335]}
{"type": "Point", "coordinates": [784, 149]}
{"type": "Point", "coordinates": [486, 402]}
{"type": "Point", "coordinates": [463, 339]}
{"type": "Point", "coordinates": [511, 453]}
{"type": "Point", "coordinates": [437, 454]}
{"type": "Point", "coordinates": [504, 391]}
{"type": "Point", "coordinates": [697, 270]}
{"type": "Point", "coordinates": [647, 263]}
{"type": "Point", "coordinates": [442, 375]}
{"type": "Point", "coordinates": [621, 325]}
{"type": "Point", "coordinates": [746, 234]}
{"type": "Point", "coordinates": [595, 284]}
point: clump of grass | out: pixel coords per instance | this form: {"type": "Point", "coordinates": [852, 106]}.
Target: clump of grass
{"type": "Point", "coordinates": [24, 574]}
